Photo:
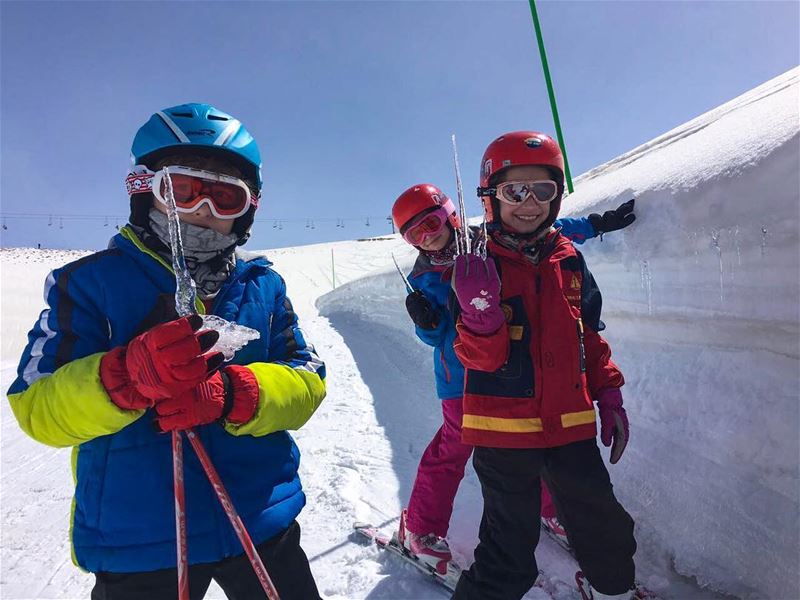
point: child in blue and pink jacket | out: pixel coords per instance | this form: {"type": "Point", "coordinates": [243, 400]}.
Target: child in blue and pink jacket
{"type": "Point", "coordinates": [427, 218]}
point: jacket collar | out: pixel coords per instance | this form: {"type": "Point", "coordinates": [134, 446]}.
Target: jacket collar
{"type": "Point", "coordinates": [128, 242]}
{"type": "Point", "coordinates": [552, 246]}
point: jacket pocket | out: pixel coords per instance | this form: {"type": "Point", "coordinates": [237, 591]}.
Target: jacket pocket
{"type": "Point", "coordinates": [515, 379]}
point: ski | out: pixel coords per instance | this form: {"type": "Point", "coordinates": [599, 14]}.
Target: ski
{"type": "Point", "coordinates": [391, 545]}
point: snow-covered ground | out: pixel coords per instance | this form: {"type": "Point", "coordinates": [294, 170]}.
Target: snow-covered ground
{"type": "Point", "coordinates": [702, 296]}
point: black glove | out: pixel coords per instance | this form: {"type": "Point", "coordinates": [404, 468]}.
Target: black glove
{"type": "Point", "coordinates": [421, 310]}
{"type": "Point", "coordinates": [611, 220]}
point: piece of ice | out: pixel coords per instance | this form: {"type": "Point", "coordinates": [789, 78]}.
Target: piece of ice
{"type": "Point", "coordinates": [232, 336]}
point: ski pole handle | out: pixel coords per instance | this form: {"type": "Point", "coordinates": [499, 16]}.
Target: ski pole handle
{"type": "Point", "coordinates": [233, 516]}
{"type": "Point", "coordinates": [180, 515]}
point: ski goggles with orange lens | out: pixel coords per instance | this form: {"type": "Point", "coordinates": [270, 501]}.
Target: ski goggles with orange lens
{"type": "Point", "coordinates": [516, 192]}
{"type": "Point", "coordinates": [428, 226]}
{"type": "Point", "coordinates": [227, 197]}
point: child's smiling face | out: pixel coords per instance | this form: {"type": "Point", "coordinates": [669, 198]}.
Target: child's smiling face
{"type": "Point", "coordinates": [527, 216]}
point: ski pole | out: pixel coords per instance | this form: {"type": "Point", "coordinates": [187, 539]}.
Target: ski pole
{"type": "Point", "coordinates": [180, 515]}
{"type": "Point", "coordinates": [409, 289]}
{"type": "Point", "coordinates": [233, 516]}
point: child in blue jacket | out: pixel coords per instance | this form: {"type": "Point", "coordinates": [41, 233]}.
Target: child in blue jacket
{"type": "Point", "coordinates": [109, 368]}
{"type": "Point", "coordinates": [427, 218]}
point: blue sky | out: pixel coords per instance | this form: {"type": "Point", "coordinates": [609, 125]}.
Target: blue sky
{"type": "Point", "coordinates": [351, 102]}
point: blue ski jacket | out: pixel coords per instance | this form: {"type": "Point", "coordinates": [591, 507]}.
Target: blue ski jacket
{"type": "Point", "coordinates": [428, 278]}
{"type": "Point", "coordinates": [123, 513]}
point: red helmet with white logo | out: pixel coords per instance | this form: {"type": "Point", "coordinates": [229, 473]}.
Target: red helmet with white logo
{"type": "Point", "coordinates": [419, 199]}
{"type": "Point", "coordinates": [514, 149]}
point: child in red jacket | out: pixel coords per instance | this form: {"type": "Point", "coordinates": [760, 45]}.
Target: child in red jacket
{"type": "Point", "coordinates": [528, 336]}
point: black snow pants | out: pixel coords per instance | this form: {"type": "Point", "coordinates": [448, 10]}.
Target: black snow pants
{"type": "Point", "coordinates": [282, 555]}
{"type": "Point", "coordinates": [598, 528]}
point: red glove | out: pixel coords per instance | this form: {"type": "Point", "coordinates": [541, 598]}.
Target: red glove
{"type": "Point", "coordinates": [613, 422]}
{"type": "Point", "coordinates": [230, 394]}
{"type": "Point", "coordinates": [162, 362]}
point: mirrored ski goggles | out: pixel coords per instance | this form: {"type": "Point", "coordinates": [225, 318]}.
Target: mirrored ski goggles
{"type": "Point", "coordinates": [428, 226]}
{"type": "Point", "coordinates": [516, 192]}
{"type": "Point", "coordinates": [227, 197]}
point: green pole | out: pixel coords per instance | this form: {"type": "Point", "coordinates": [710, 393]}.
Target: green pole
{"type": "Point", "coordinates": [551, 93]}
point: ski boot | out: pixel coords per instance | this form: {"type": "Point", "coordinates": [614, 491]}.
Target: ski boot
{"type": "Point", "coordinates": [429, 549]}
{"type": "Point", "coordinates": [589, 593]}
{"type": "Point", "coordinates": [553, 527]}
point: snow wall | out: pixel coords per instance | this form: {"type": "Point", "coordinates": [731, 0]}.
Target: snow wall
{"type": "Point", "coordinates": [702, 304]}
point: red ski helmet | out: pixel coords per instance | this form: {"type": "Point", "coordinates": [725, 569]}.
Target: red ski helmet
{"type": "Point", "coordinates": [514, 149]}
{"type": "Point", "coordinates": [421, 198]}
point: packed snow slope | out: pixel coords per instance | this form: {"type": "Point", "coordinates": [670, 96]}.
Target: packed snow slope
{"type": "Point", "coordinates": [701, 302]}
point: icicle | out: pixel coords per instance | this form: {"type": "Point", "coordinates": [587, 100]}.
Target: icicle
{"type": "Point", "coordinates": [715, 244]}
{"type": "Point", "coordinates": [185, 290]}
{"type": "Point", "coordinates": [463, 245]}
{"type": "Point", "coordinates": [647, 284]}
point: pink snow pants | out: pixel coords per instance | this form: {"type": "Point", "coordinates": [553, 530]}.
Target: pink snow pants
{"type": "Point", "coordinates": [440, 472]}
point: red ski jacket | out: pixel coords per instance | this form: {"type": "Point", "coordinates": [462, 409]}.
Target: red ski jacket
{"type": "Point", "coordinates": [531, 383]}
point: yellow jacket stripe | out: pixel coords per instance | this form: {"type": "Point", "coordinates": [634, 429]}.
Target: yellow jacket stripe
{"type": "Point", "coordinates": [287, 397]}
{"type": "Point", "coordinates": [70, 406]}
{"type": "Point", "coordinates": [527, 425]}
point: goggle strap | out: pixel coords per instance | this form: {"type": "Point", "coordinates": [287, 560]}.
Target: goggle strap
{"type": "Point", "coordinates": [138, 182]}
{"type": "Point", "coordinates": [449, 208]}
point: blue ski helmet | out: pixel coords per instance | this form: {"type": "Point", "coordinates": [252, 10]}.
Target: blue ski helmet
{"type": "Point", "coordinates": [205, 130]}
{"type": "Point", "coordinates": [199, 126]}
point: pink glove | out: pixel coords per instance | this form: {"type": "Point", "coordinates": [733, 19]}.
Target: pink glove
{"type": "Point", "coordinates": [613, 422]}
{"type": "Point", "coordinates": [477, 288]}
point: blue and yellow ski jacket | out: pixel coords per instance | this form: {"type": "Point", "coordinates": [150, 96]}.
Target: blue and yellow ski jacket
{"type": "Point", "coordinates": [427, 278]}
{"type": "Point", "coordinates": [123, 515]}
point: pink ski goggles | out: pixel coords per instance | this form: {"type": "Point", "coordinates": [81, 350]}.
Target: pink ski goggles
{"type": "Point", "coordinates": [428, 226]}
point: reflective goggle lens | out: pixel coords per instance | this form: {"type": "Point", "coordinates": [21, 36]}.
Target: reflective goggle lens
{"type": "Point", "coordinates": [516, 192]}
{"type": "Point", "coordinates": [228, 198]}
{"type": "Point", "coordinates": [431, 224]}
